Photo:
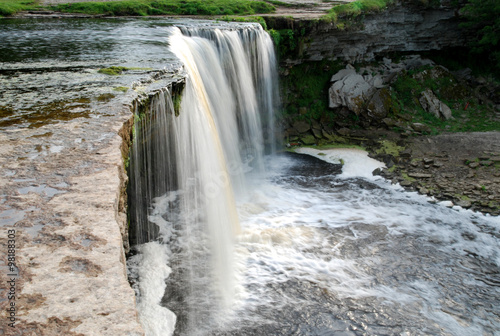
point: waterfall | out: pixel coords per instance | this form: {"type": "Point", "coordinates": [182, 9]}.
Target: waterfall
{"type": "Point", "coordinates": [186, 167]}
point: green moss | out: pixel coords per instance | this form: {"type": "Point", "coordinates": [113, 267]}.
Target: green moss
{"type": "Point", "coordinates": [118, 70]}
{"type": "Point", "coordinates": [105, 97]}
{"type": "Point", "coordinates": [121, 88]}
{"type": "Point", "coordinates": [389, 147]}
{"type": "Point", "coordinates": [407, 178]}
{"type": "Point", "coordinates": [113, 70]}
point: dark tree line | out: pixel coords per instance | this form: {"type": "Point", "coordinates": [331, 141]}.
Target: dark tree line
{"type": "Point", "coordinates": [483, 16]}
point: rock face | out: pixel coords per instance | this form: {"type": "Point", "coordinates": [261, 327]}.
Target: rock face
{"type": "Point", "coordinates": [370, 94]}
{"type": "Point", "coordinates": [433, 105]}
{"type": "Point", "coordinates": [402, 28]}
{"type": "Point", "coordinates": [351, 91]}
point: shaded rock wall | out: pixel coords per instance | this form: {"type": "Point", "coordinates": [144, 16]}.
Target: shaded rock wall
{"type": "Point", "coordinates": [402, 28]}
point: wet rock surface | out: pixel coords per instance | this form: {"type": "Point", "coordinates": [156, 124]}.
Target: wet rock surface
{"type": "Point", "coordinates": [64, 127]}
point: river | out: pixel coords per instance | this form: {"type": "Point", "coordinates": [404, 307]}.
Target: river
{"type": "Point", "coordinates": [322, 247]}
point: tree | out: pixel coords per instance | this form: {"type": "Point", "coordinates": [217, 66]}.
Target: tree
{"type": "Point", "coordinates": [483, 17]}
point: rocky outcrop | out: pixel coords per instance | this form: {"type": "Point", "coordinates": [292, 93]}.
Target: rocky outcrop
{"type": "Point", "coordinates": [401, 28]}
{"type": "Point", "coordinates": [350, 89]}
{"type": "Point", "coordinates": [370, 94]}
{"type": "Point", "coordinates": [432, 104]}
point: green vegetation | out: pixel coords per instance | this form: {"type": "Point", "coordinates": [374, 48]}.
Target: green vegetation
{"type": "Point", "coordinates": [11, 7]}
{"type": "Point", "coordinates": [290, 5]}
{"type": "Point", "coordinates": [305, 89]}
{"type": "Point", "coordinates": [389, 147]}
{"type": "Point", "coordinates": [469, 113]}
{"type": "Point", "coordinates": [258, 19]}
{"type": "Point", "coordinates": [121, 88]}
{"type": "Point", "coordinates": [354, 9]}
{"type": "Point", "coordinates": [168, 7]}
{"type": "Point", "coordinates": [286, 42]}
{"type": "Point", "coordinates": [118, 70]}
{"type": "Point", "coordinates": [483, 16]}
{"type": "Point", "coordinates": [113, 71]}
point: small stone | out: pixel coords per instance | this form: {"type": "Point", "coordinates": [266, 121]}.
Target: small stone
{"type": "Point", "coordinates": [405, 153]}
{"type": "Point", "coordinates": [437, 165]}
{"type": "Point", "coordinates": [428, 161]}
{"type": "Point", "coordinates": [414, 164]}
{"type": "Point", "coordinates": [406, 183]}
{"type": "Point", "coordinates": [448, 204]}
{"type": "Point", "coordinates": [423, 190]}
{"type": "Point", "coordinates": [419, 127]}
{"type": "Point", "coordinates": [474, 165]}
{"type": "Point", "coordinates": [464, 204]}
{"type": "Point", "coordinates": [486, 163]}
{"type": "Point", "coordinates": [419, 175]}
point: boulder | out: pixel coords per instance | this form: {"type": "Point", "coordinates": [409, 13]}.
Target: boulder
{"type": "Point", "coordinates": [342, 74]}
{"type": "Point", "coordinates": [380, 104]}
{"type": "Point", "coordinates": [308, 139]}
{"type": "Point", "coordinates": [352, 91]}
{"type": "Point", "coordinates": [301, 126]}
{"type": "Point", "coordinates": [432, 104]}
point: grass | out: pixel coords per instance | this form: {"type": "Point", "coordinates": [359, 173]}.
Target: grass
{"type": "Point", "coordinates": [258, 19]}
{"type": "Point", "coordinates": [469, 114]}
{"type": "Point", "coordinates": [168, 7]}
{"type": "Point", "coordinates": [290, 5]}
{"type": "Point", "coordinates": [11, 7]}
{"type": "Point", "coordinates": [355, 9]}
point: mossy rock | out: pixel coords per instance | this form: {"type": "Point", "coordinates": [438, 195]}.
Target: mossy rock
{"type": "Point", "coordinates": [381, 104]}
{"type": "Point", "coordinates": [113, 70]}
{"type": "Point", "coordinates": [308, 139]}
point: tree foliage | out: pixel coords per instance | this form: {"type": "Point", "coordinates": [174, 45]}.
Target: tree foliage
{"type": "Point", "coordinates": [483, 16]}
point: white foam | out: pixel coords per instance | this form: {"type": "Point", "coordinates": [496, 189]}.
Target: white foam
{"type": "Point", "coordinates": [150, 267]}
{"type": "Point", "coordinates": [356, 161]}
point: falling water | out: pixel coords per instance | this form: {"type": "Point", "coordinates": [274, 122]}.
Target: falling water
{"type": "Point", "coordinates": [322, 248]}
{"type": "Point", "coordinates": [186, 169]}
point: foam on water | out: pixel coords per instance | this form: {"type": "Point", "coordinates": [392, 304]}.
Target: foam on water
{"type": "Point", "coordinates": [352, 255]}
{"type": "Point", "coordinates": [356, 162]}
{"type": "Point", "coordinates": [149, 268]}
{"type": "Point", "coordinates": [367, 243]}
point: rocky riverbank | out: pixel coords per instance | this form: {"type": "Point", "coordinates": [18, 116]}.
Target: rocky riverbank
{"type": "Point", "coordinates": [460, 168]}
{"type": "Point", "coordinates": [435, 129]}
